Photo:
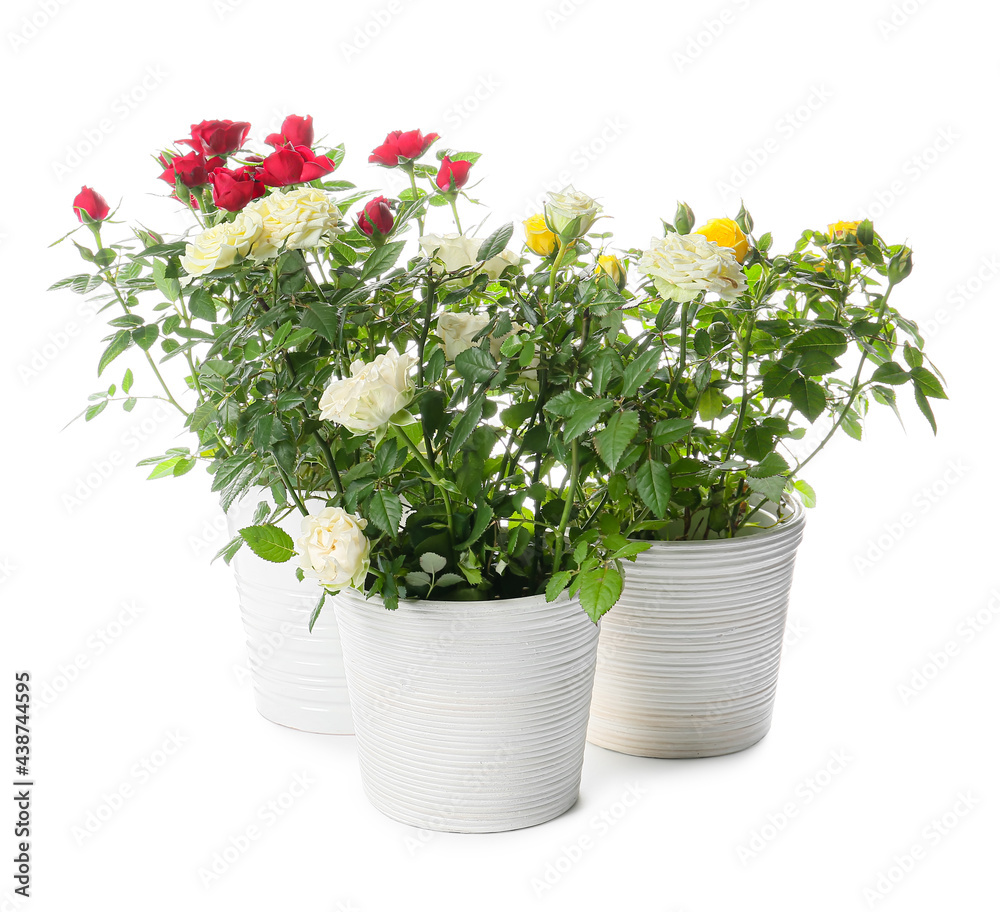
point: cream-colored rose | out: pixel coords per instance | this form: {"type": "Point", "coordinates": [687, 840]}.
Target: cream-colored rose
{"type": "Point", "coordinates": [294, 220]}
{"type": "Point", "coordinates": [458, 331]}
{"type": "Point", "coordinates": [333, 549]}
{"type": "Point", "coordinates": [221, 246]}
{"type": "Point", "coordinates": [570, 213]}
{"type": "Point", "coordinates": [368, 399]}
{"type": "Point", "coordinates": [683, 266]}
{"type": "Point", "coordinates": [458, 252]}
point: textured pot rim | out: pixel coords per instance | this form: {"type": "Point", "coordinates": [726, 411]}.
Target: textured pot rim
{"type": "Point", "coordinates": [479, 606]}
{"type": "Point", "coordinates": [795, 520]}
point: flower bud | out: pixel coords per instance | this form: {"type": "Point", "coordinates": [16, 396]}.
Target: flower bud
{"type": "Point", "coordinates": [900, 266]}
{"type": "Point", "coordinates": [570, 214]}
{"type": "Point", "coordinates": [684, 218]}
{"type": "Point", "coordinates": [611, 266]}
{"type": "Point", "coordinates": [842, 231]}
{"type": "Point", "coordinates": [866, 232]}
{"type": "Point", "coordinates": [537, 236]}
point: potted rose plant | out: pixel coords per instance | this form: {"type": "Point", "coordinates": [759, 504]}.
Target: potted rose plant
{"type": "Point", "coordinates": [751, 363]}
{"type": "Point", "coordinates": [404, 413]}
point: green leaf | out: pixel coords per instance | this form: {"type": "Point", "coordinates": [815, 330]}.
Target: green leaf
{"type": "Point", "coordinates": [416, 579]}
{"type": "Point", "coordinates": [269, 542]}
{"type": "Point", "coordinates": [639, 371]}
{"type": "Point", "coordinates": [914, 357]}
{"type": "Point", "coordinates": [495, 243]}
{"type": "Point", "coordinates": [94, 410]}
{"type": "Point", "coordinates": [603, 369]}
{"type": "Point", "coordinates": [165, 468]}
{"type": "Point", "coordinates": [808, 397]}
{"type": "Point", "coordinates": [654, 487]}
{"type": "Point", "coordinates": [447, 579]}
{"type": "Point", "coordinates": [928, 384]}
{"type": "Point", "coordinates": [923, 405]}
{"type": "Point", "coordinates": [466, 425]}
{"type": "Point", "coordinates": [475, 364]}
{"type": "Point", "coordinates": [711, 404]}
{"type": "Point", "coordinates": [121, 341]}
{"type": "Point", "coordinates": [383, 259]}
{"type": "Point", "coordinates": [671, 430]}
{"type": "Point", "coordinates": [823, 339]}
{"type": "Point", "coordinates": [556, 584]}
{"type": "Point", "coordinates": [145, 336]}
{"type": "Point", "coordinates": [514, 416]}
{"type": "Point", "coordinates": [481, 520]}
{"type": "Point", "coordinates": [599, 590]}
{"type": "Point", "coordinates": [771, 488]}
{"type": "Point", "coordinates": [890, 373]}
{"type": "Point", "coordinates": [315, 612]}
{"type": "Point", "coordinates": [169, 287]}
{"type": "Point", "coordinates": [385, 510]}
{"type": "Point", "coordinates": [757, 443]}
{"type": "Point", "coordinates": [202, 305]}
{"type": "Point", "coordinates": [432, 563]}
{"type": "Point", "coordinates": [614, 440]}
{"type": "Point", "coordinates": [323, 319]}
{"type": "Point", "coordinates": [771, 464]}
{"type": "Point", "coordinates": [807, 494]}
{"type": "Point", "coordinates": [127, 381]}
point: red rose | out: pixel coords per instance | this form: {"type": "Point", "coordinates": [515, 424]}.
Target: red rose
{"type": "Point", "coordinates": [313, 166]}
{"type": "Point", "coordinates": [376, 216]}
{"type": "Point", "coordinates": [91, 202]}
{"type": "Point", "coordinates": [232, 190]}
{"type": "Point", "coordinates": [217, 137]}
{"type": "Point", "coordinates": [457, 171]}
{"type": "Point", "coordinates": [400, 147]}
{"type": "Point", "coordinates": [192, 169]}
{"type": "Point", "coordinates": [281, 168]}
{"type": "Point", "coordinates": [295, 131]}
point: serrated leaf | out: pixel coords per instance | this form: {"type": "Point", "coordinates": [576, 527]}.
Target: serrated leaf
{"type": "Point", "coordinates": [556, 584]}
{"type": "Point", "coordinates": [202, 305]}
{"type": "Point", "coordinates": [269, 542]}
{"type": "Point", "coordinates": [923, 405]}
{"type": "Point", "coordinates": [385, 510]}
{"type": "Point", "coordinates": [655, 487]}
{"type": "Point", "coordinates": [432, 563]}
{"type": "Point", "coordinates": [599, 590]}
{"type": "Point", "coordinates": [614, 440]}
{"type": "Point", "coordinates": [481, 520]}
{"type": "Point", "coordinates": [823, 339]}
{"type": "Point", "coordinates": [475, 364]}
{"type": "Point", "coordinates": [672, 430]}
{"type": "Point", "coordinates": [891, 373]}
{"type": "Point", "coordinates": [711, 404]}
{"type": "Point", "coordinates": [928, 383]}
{"type": "Point", "coordinates": [447, 579]}
{"type": "Point", "coordinates": [121, 341]}
{"type": "Point", "coordinates": [808, 397]}
{"type": "Point", "coordinates": [771, 464]}
{"type": "Point", "coordinates": [145, 336]}
{"type": "Point", "coordinates": [496, 243]}
{"type": "Point", "coordinates": [806, 493]}
{"type": "Point", "coordinates": [417, 579]}
{"type": "Point", "coordinates": [771, 487]}
{"type": "Point", "coordinates": [382, 260]}
{"type": "Point", "coordinates": [639, 371]}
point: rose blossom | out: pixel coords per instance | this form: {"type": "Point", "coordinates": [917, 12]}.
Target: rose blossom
{"type": "Point", "coordinates": [570, 213]}
{"type": "Point", "coordinates": [458, 330]}
{"type": "Point", "coordinates": [368, 399]}
{"type": "Point", "coordinates": [683, 266]}
{"type": "Point", "coordinates": [91, 202]}
{"type": "Point", "coordinates": [294, 220]}
{"type": "Point", "coordinates": [458, 252]}
{"type": "Point", "coordinates": [219, 247]}
{"type": "Point", "coordinates": [334, 549]}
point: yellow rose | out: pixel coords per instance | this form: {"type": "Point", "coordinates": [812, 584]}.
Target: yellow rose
{"type": "Point", "coordinates": [839, 231]}
{"type": "Point", "coordinates": [537, 236]}
{"type": "Point", "coordinates": [726, 233]}
{"type": "Point", "coordinates": [611, 266]}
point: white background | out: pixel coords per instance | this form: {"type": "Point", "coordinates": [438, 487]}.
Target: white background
{"type": "Point", "coordinates": [812, 112]}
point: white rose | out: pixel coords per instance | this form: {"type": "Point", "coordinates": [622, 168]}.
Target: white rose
{"type": "Point", "coordinates": [367, 400]}
{"type": "Point", "coordinates": [334, 549]}
{"type": "Point", "coordinates": [458, 330]}
{"type": "Point", "coordinates": [570, 213]}
{"type": "Point", "coordinates": [458, 252]}
{"type": "Point", "coordinates": [683, 266]}
{"type": "Point", "coordinates": [219, 247]}
{"type": "Point", "coordinates": [294, 220]}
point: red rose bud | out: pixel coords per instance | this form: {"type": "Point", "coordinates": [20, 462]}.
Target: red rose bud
{"type": "Point", "coordinates": [313, 166]}
{"type": "Point", "coordinates": [281, 168]}
{"type": "Point", "coordinates": [295, 131]}
{"type": "Point", "coordinates": [217, 137]}
{"type": "Point", "coordinates": [457, 171]}
{"type": "Point", "coordinates": [91, 202]}
{"type": "Point", "coordinates": [401, 147]}
{"type": "Point", "coordinates": [232, 190]}
{"type": "Point", "coordinates": [376, 216]}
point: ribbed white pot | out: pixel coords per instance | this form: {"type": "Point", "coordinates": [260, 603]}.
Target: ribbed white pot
{"type": "Point", "coordinates": [688, 659]}
{"type": "Point", "coordinates": [298, 676]}
{"type": "Point", "coordinates": [471, 717]}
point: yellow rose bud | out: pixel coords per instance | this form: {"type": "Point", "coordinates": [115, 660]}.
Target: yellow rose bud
{"type": "Point", "coordinates": [726, 233]}
{"type": "Point", "coordinates": [840, 231]}
{"type": "Point", "coordinates": [611, 266]}
{"type": "Point", "coordinates": [537, 236]}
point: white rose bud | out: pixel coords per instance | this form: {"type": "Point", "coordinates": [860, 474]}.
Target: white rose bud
{"type": "Point", "coordinates": [333, 549]}
{"type": "Point", "coordinates": [221, 246]}
{"type": "Point", "coordinates": [459, 330]}
{"type": "Point", "coordinates": [570, 213]}
{"type": "Point", "coordinates": [371, 396]}
{"type": "Point", "coordinates": [683, 266]}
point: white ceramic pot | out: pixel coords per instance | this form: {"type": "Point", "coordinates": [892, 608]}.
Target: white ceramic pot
{"type": "Point", "coordinates": [298, 676]}
{"type": "Point", "coordinates": [471, 717]}
{"type": "Point", "coordinates": [688, 658]}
